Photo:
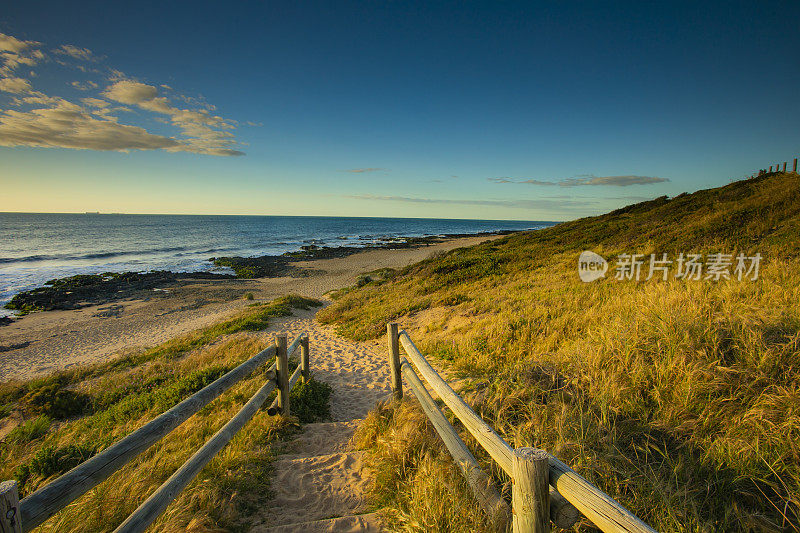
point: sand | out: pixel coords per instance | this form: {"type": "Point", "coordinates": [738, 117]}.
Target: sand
{"type": "Point", "coordinates": [319, 482]}
{"type": "Point", "coordinates": [42, 343]}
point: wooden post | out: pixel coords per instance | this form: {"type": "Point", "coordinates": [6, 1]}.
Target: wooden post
{"type": "Point", "coordinates": [530, 493]}
{"type": "Point", "coordinates": [394, 360]}
{"type": "Point", "coordinates": [10, 521]}
{"type": "Point", "coordinates": [304, 359]}
{"type": "Point", "coordinates": [282, 373]}
{"type": "Point", "coordinates": [770, 169]}
{"type": "Point", "coordinates": [794, 165]}
{"type": "Point", "coordinates": [784, 166]}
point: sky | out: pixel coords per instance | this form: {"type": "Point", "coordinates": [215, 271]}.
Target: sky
{"type": "Point", "coordinates": [490, 110]}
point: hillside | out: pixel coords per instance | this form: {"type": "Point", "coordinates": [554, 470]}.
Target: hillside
{"type": "Point", "coordinates": [681, 398]}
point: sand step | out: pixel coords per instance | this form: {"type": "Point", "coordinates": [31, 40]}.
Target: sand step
{"type": "Point", "coordinates": [315, 488]}
{"type": "Point", "coordinates": [321, 438]}
{"type": "Point", "coordinates": [367, 523]}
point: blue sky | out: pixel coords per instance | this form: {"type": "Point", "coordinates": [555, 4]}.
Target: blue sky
{"type": "Point", "coordinates": [534, 111]}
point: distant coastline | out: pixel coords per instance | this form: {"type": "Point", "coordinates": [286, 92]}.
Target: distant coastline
{"type": "Point", "coordinates": [37, 248]}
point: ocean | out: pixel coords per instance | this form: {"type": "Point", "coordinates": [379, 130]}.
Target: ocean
{"type": "Point", "coordinates": [36, 247]}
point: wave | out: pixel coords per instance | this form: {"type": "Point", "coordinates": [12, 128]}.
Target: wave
{"type": "Point", "coordinates": [95, 255]}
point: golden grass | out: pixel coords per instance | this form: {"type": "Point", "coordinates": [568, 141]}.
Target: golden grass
{"type": "Point", "coordinates": [125, 397]}
{"type": "Point", "coordinates": [679, 398]}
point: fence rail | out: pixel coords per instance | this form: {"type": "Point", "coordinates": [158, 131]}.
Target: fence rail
{"type": "Point", "coordinates": [22, 516]}
{"type": "Point", "coordinates": [543, 489]}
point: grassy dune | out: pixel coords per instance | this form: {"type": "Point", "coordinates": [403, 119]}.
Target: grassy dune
{"type": "Point", "coordinates": [75, 414]}
{"type": "Point", "coordinates": [680, 398]}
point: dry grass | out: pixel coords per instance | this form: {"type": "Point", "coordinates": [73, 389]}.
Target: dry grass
{"type": "Point", "coordinates": [680, 398]}
{"type": "Point", "coordinates": [123, 397]}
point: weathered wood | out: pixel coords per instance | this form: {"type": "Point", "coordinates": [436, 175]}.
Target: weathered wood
{"type": "Point", "coordinates": [273, 409]}
{"type": "Point", "coordinates": [562, 513]}
{"type": "Point", "coordinates": [394, 360]}
{"type": "Point", "coordinates": [54, 496]}
{"type": "Point", "coordinates": [304, 355]}
{"type": "Point", "coordinates": [770, 168]}
{"type": "Point", "coordinates": [482, 488]}
{"type": "Point", "coordinates": [148, 511]}
{"type": "Point", "coordinates": [794, 165]}
{"type": "Point", "coordinates": [9, 508]}
{"type": "Point", "coordinates": [296, 343]}
{"type": "Point", "coordinates": [784, 166]}
{"type": "Point", "coordinates": [497, 448]}
{"type": "Point", "coordinates": [596, 505]}
{"type": "Point", "coordinates": [530, 494]}
{"type": "Point", "coordinates": [282, 374]}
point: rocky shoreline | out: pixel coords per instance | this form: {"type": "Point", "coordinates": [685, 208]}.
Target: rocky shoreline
{"type": "Point", "coordinates": [83, 290]}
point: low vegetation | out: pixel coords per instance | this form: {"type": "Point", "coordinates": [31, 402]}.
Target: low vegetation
{"type": "Point", "coordinates": [73, 415]}
{"type": "Point", "coordinates": [680, 398]}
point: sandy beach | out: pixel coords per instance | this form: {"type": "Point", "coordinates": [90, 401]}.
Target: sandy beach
{"type": "Point", "coordinates": [45, 342]}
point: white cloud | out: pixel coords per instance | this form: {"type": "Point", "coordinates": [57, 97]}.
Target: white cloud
{"type": "Point", "coordinates": [205, 132]}
{"type": "Point", "coordinates": [539, 203]}
{"type": "Point", "coordinates": [577, 181]}
{"type": "Point", "coordinates": [12, 44]}
{"type": "Point", "coordinates": [83, 54]}
{"type": "Point", "coordinates": [66, 125]}
{"type": "Point", "coordinates": [15, 85]}
{"type": "Point", "coordinates": [131, 92]}
{"type": "Point", "coordinates": [53, 121]}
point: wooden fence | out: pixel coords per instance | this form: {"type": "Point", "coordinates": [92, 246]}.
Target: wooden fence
{"type": "Point", "coordinates": [543, 488]}
{"type": "Point", "coordinates": [777, 168]}
{"type": "Point", "coordinates": [20, 516]}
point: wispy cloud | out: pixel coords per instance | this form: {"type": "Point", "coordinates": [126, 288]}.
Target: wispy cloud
{"type": "Point", "coordinates": [83, 54]}
{"type": "Point", "coordinates": [84, 86]}
{"type": "Point", "coordinates": [539, 203]}
{"type": "Point", "coordinates": [578, 181]}
{"type": "Point", "coordinates": [369, 169]}
{"type": "Point", "coordinates": [92, 123]}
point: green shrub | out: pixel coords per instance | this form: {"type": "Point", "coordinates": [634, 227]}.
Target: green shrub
{"type": "Point", "coordinates": [310, 401]}
{"type": "Point", "coordinates": [50, 461]}
{"type": "Point", "coordinates": [53, 401]}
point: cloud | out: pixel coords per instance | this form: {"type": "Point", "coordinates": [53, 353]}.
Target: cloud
{"type": "Point", "coordinates": [66, 125]}
{"type": "Point", "coordinates": [131, 92]}
{"type": "Point", "coordinates": [15, 52]}
{"type": "Point", "coordinates": [614, 181]}
{"type": "Point", "coordinates": [539, 203]}
{"type": "Point", "coordinates": [84, 86]}
{"type": "Point", "coordinates": [84, 54]}
{"type": "Point", "coordinates": [361, 170]}
{"type": "Point", "coordinates": [12, 44]}
{"type": "Point", "coordinates": [95, 102]}
{"type": "Point", "coordinates": [15, 85]}
{"type": "Point", "coordinates": [535, 182]}
{"type": "Point", "coordinates": [578, 181]}
{"type": "Point", "coordinates": [206, 133]}
{"type": "Point", "coordinates": [45, 120]}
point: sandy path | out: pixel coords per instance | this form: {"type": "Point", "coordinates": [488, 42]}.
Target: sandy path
{"type": "Point", "coordinates": [42, 343]}
{"type": "Point", "coordinates": [319, 482]}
